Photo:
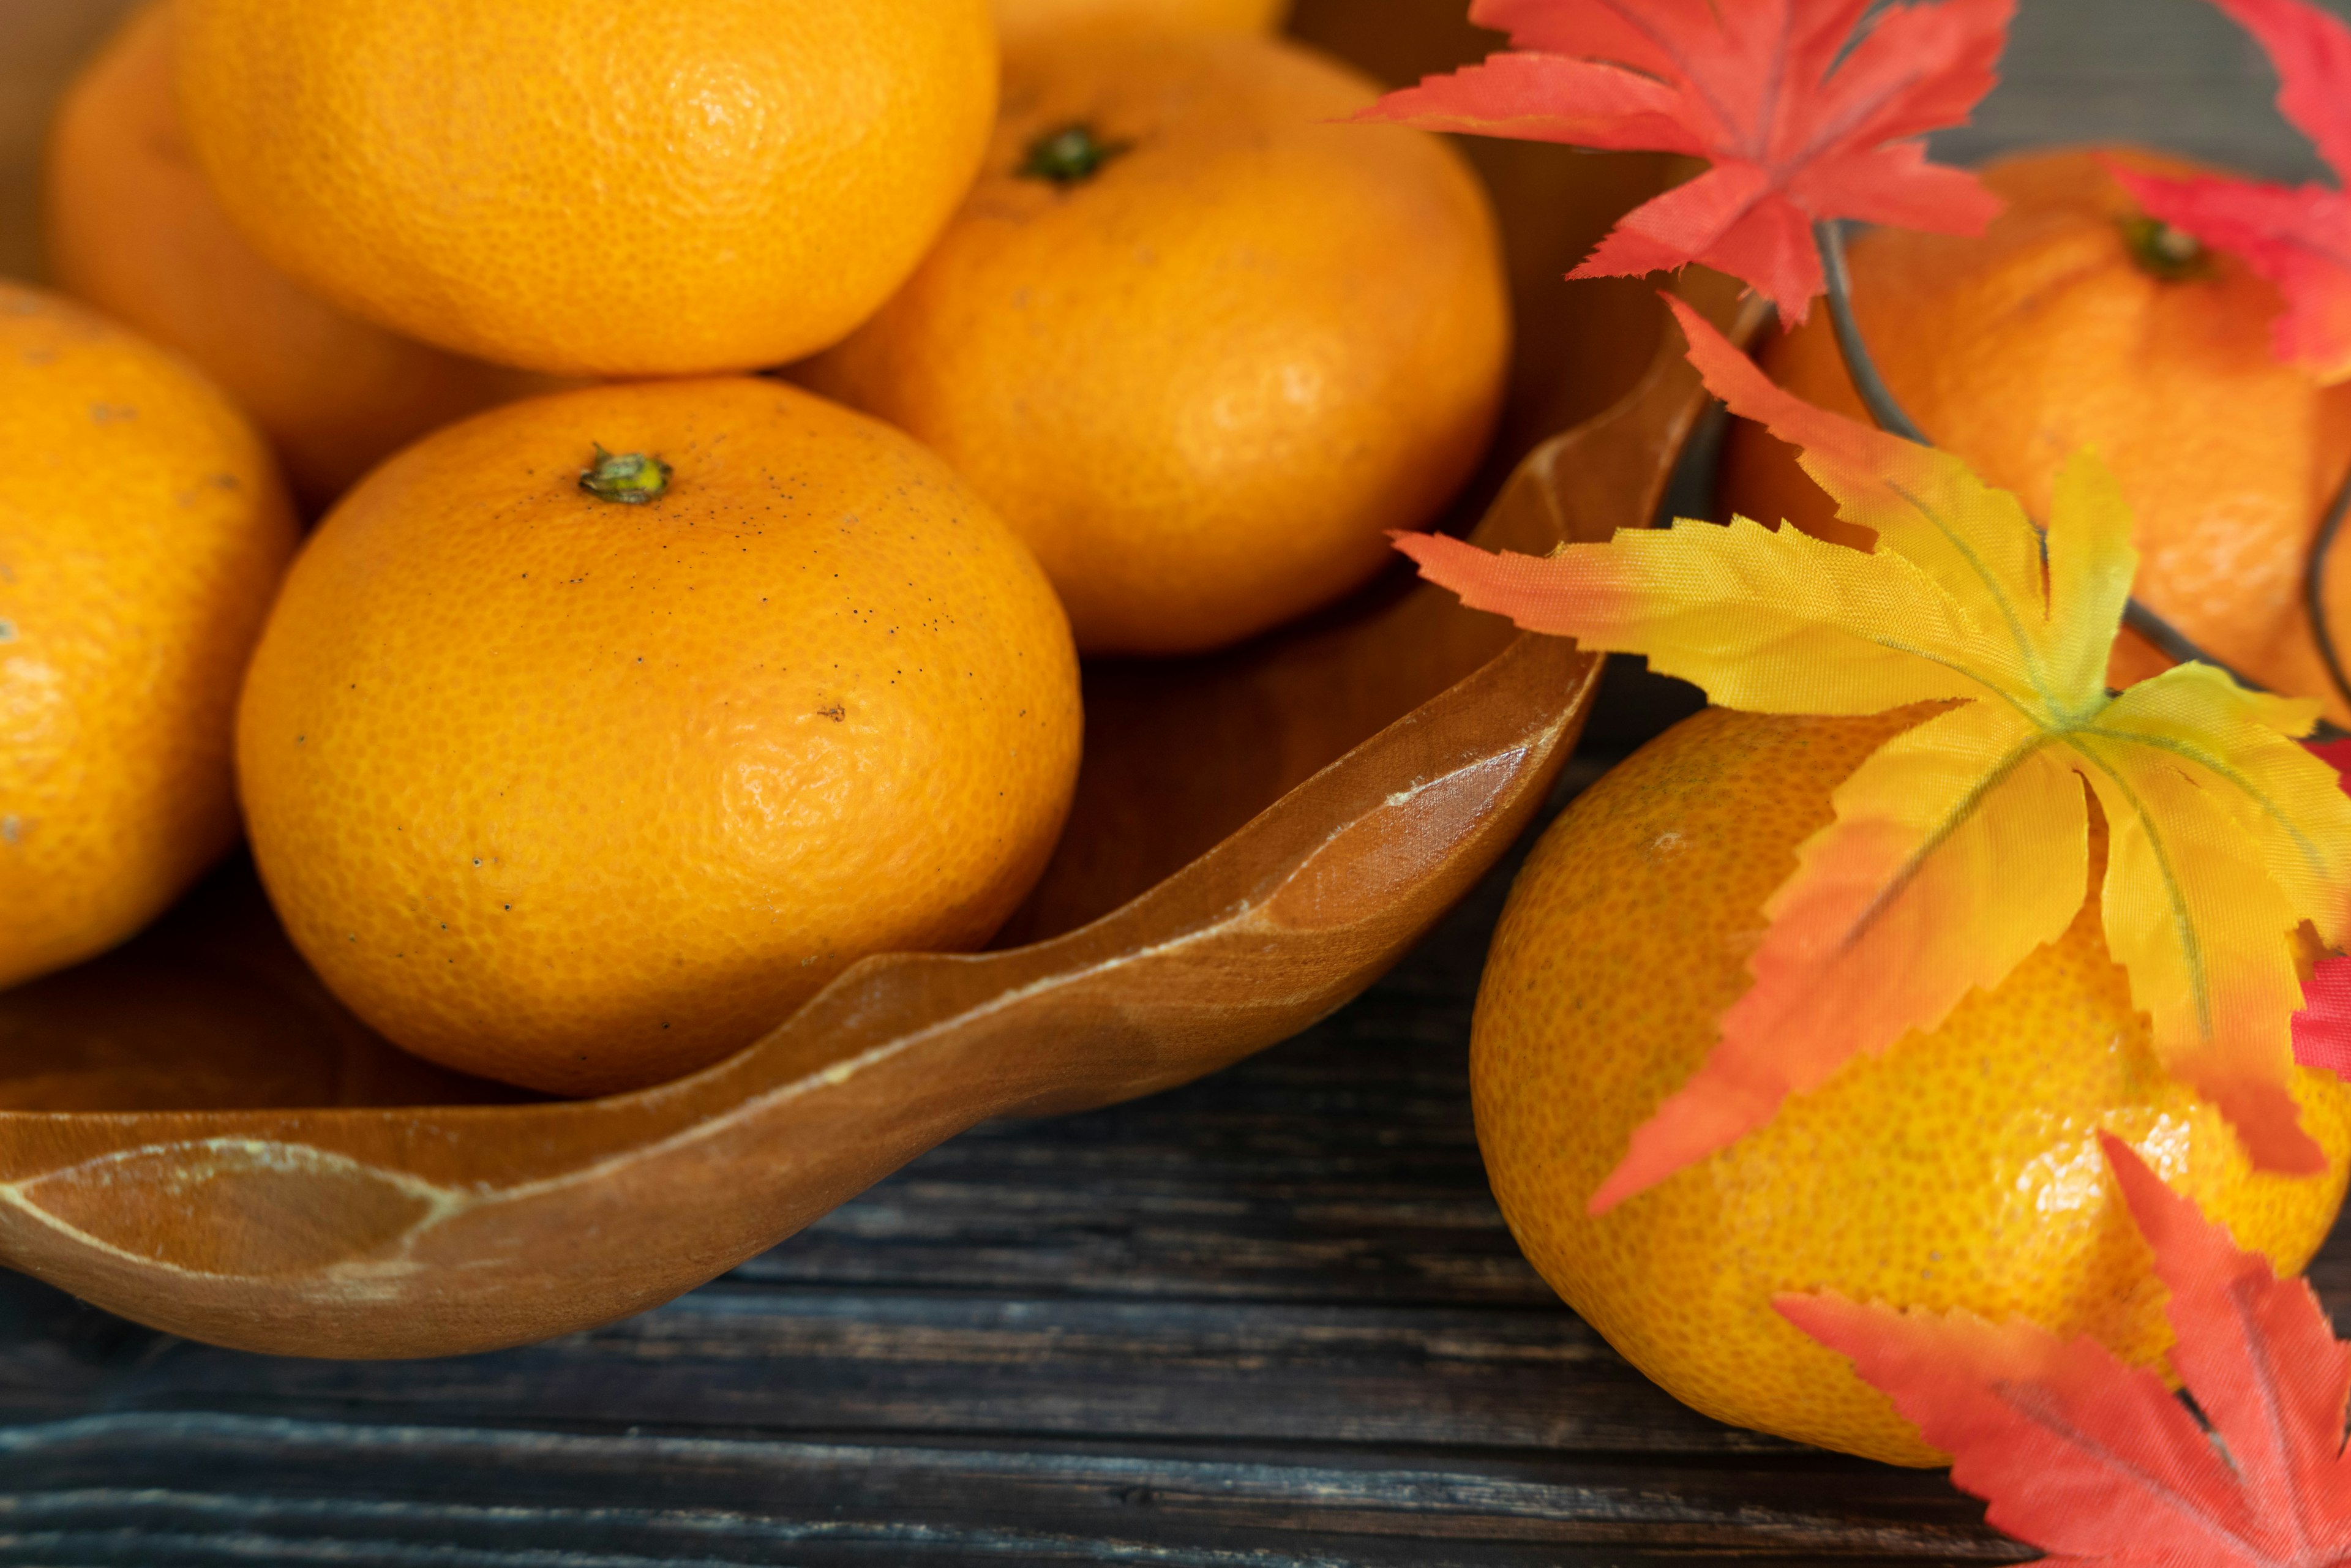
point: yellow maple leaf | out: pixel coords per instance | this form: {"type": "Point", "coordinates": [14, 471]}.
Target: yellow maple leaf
{"type": "Point", "coordinates": [1962, 844]}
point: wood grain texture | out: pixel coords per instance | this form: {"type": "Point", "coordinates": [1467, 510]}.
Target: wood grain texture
{"type": "Point", "coordinates": [1268, 1319]}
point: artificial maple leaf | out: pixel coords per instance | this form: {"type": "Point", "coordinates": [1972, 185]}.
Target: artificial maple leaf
{"type": "Point", "coordinates": [2094, 1461]}
{"type": "Point", "coordinates": [2322, 1030]}
{"type": "Point", "coordinates": [1758, 89]}
{"type": "Point", "coordinates": [2297, 236]}
{"type": "Point", "coordinates": [1962, 845]}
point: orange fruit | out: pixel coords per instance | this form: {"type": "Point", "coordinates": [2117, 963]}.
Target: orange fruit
{"type": "Point", "coordinates": [1200, 346]}
{"type": "Point", "coordinates": [1960, 1169]}
{"type": "Point", "coordinates": [2065, 325]}
{"type": "Point", "coordinates": [563, 186]}
{"type": "Point", "coordinates": [1024, 23]}
{"type": "Point", "coordinates": [582, 794]}
{"type": "Point", "coordinates": [133, 228]}
{"type": "Point", "coordinates": [142, 530]}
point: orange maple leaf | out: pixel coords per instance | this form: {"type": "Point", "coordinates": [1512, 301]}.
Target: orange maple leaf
{"type": "Point", "coordinates": [1962, 844]}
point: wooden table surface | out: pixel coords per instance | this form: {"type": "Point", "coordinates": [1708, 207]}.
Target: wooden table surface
{"type": "Point", "coordinates": [1270, 1318]}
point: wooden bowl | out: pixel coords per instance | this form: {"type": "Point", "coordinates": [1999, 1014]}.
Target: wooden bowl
{"type": "Point", "coordinates": [194, 1135]}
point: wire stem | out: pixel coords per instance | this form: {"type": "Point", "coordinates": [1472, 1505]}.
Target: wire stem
{"type": "Point", "coordinates": [2313, 586]}
{"type": "Point", "coordinates": [1828, 233]}
{"type": "Point", "coordinates": [1879, 398]}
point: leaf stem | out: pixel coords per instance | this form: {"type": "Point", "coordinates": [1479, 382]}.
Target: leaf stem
{"type": "Point", "coordinates": [630, 478]}
{"type": "Point", "coordinates": [1069, 155]}
{"type": "Point", "coordinates": [2313, 585]}
{"type": "Point", "coordinates": [1828, 236]}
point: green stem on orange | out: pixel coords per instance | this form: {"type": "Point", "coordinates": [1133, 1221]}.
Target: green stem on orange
{"type": "Point", "coordinates": [2161, 251]}
{"type": "Point", "coordinates": [630, 478]}
{"type": "Point", "coordinates": [1066, 156]}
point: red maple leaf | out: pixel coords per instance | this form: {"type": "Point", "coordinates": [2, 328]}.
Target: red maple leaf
{"type": "Point", "coordinates": [2297, 236]}
{"type": "Point", "coordinates": [2094, 1461]}
{"type": "Point", "coordinates": [2322, 1030]}
{"type": "Point", "coordinates": [1756, 88]}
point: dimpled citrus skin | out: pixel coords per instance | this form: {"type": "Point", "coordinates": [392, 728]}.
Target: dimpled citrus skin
{"type": "Point", "coordinates": [584, 795]}
{"type": "Point", "coordinates": [1205, 382]}
{"type": "Point", "coordinates": [1960, 1168]}
{"type": "Point", "coordinates": [142, 530]}
{"type": "Point", "coordinates": [133, 228]}
{"type": "Point", "coordinates": [592, 189]}
{"type": "Point", "coordinates": [1022, 23]}
{"type": "Point", "coordinates": [2017, 348]}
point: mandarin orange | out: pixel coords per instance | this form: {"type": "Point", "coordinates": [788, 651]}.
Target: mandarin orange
{"type": "Point", "coordinates": [583, 794]}
{"type": "Point", "coordinates": [587, 190]}
{"type": "Point", "coordinates": [1201, 347]}
{"type": "Point", "coordinates": [2066, 325]}
{"type": "Point", "coordinates": [142, 531]}
{"type": "Point", "coordinates": [133, 228]}
{"type": "Point", "coordinates": [1960, 1169]}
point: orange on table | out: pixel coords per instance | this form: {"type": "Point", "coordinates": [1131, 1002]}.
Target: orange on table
{"type": "Point", "coordinates": [590, 190]}
{"type": "Point", "coordinates": [583, 794]}
{"type": "Point", "coordinates": [1024, 23]}
{"type": "Point", "coordinates": [1201, 347]}
{"type": "Point", "coordinates": [133, 228]}
{"type": "Point", "coordinates": [2068, 325]}
{"type": "Point", "coordinates": [142, 531]}
{"type": "Point", "coordinates": [1960, 1169]}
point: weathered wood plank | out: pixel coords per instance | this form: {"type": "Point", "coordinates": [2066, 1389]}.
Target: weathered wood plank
{"type": "Point", "coordinates": [386, 1488]}
{"type": "Point", "coordinates": [856, 1361]}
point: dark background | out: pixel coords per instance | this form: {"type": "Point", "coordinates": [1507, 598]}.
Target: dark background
{"type": "Point", "coordinates": [1269, 1320]}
